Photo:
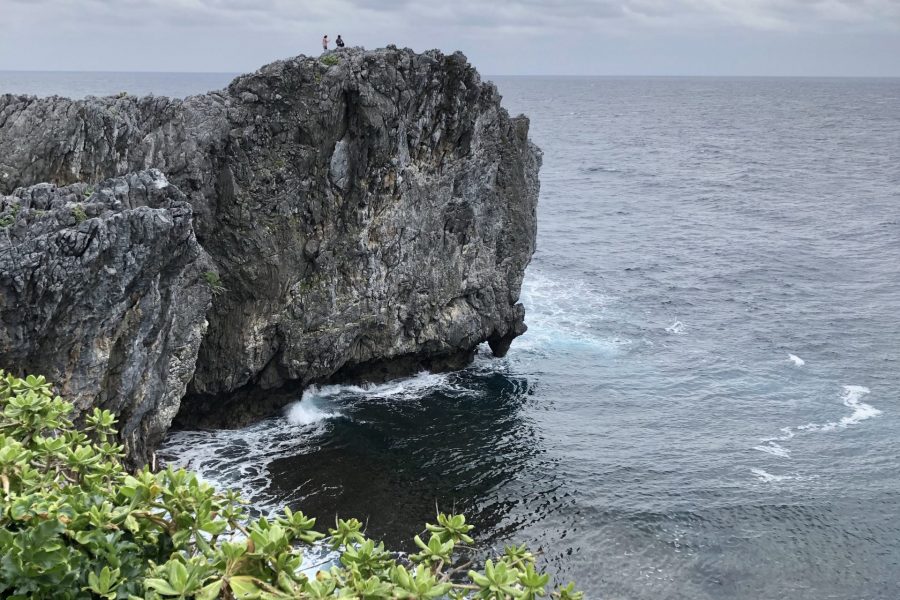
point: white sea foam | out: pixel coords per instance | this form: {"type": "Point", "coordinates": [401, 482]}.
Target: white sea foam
{"type": "Point", "coordinates": [786, 434]}
{"type": "Point", "coordinates": [774, 448]}
{"type": "Point", "coordinates": [306, 412]}
{"type": "Point", "coordinates": [677, 328]}
{"type": "Point", "coordinates": [851, 399]}
{"type": "Point", "coordinates": [769, 477]}
{"type": "Point", "coordinates": [798, 362]}
{"type": "Point", "coordinates": [240, 458]}
{"type": "Point", "coordinates": [409, 388]}
{"type": "Point", "coordinates": [565, 315]}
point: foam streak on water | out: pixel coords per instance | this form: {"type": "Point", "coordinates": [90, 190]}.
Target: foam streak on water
{"type": "Point", "coordinates": [851, 399]}
{"type": "Point", "coordinates": [774, 449]}
{"type": "Point", "coordinates": [238, 459]}
{"type": "Point", "coordinates": [769, 477]}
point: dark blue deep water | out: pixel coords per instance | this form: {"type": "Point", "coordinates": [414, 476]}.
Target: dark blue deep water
{"type": "Point", "coordinates": [707, 402]}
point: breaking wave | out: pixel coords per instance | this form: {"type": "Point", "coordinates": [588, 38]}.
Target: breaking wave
{"type": "Point", "coordinates": [239, 458]}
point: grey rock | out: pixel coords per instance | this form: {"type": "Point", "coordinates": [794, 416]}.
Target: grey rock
{"type": "Point", "coordinates": [102, 292]}
{"type": "Point", "coordinates": [368, 218]}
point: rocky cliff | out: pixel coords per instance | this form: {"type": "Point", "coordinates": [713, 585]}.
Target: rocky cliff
{"type": "Point", "coordinates": [368, 214]}
{"type": "Point", "coordinates": [105, 290]}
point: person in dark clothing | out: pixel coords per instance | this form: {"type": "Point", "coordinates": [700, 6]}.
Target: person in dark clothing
{"type": "Point", "coordinates": [339, 42]}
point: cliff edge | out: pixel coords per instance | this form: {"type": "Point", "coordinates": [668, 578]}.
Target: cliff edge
{"type": "Point", "coordinates": [355, 216]}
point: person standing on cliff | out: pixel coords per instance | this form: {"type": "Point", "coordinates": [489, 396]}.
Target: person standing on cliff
{"type": "Point", "coordinates": [339, 42]}
{"type": "Point", "coordinates": [325, 43]}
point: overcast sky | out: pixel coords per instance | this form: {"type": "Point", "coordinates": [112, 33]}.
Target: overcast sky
{"type": "Point", "coordinates": [585, 37]}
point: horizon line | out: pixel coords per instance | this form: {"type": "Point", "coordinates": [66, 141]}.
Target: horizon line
{"type": "Point", "coordinates": [483, 75]}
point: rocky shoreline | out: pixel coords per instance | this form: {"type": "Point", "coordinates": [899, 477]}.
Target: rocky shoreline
{"type": "Point", "coordinates": [353, 217]}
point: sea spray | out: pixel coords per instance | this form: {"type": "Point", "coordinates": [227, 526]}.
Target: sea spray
{"type": "Point", "coordinates": [306, 412]}
{"type": "Point", "coordinates": [564, 317]}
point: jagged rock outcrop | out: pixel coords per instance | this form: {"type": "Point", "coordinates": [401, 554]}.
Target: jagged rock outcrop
{"type": "Point", "coordinates": [103, 293]}
{"type": "Point", "coordinates": [370, 213]}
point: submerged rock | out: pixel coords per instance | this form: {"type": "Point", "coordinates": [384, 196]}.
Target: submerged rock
{"type": "Point", "coordinates": [103, 293]}
{"type": "Point", "coordinates": [370, 213]}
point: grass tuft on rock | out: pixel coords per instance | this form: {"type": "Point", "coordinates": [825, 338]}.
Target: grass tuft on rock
{"type": "Point", "coordinates": [330, 60]}
{"type": "Point", "coordinates": [78, 213]}
{"type": "Point", "coordinates": [214, 282]}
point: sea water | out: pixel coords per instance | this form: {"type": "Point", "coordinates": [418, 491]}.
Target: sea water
{"type": "Point", "coordinates": [706, 402]}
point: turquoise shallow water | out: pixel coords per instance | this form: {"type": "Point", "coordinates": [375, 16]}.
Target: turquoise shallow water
{"type": "Point", "coordinates": [706, 402]}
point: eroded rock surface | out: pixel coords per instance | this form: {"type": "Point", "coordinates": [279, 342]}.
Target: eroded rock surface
{"type": "Point", "coordinates": [103, 293]}
{"type": "Point", "coordinates": [370, 213]}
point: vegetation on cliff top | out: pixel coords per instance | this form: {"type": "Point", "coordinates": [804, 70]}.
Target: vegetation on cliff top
{"type": "Point", "coordinates": [75, 524]}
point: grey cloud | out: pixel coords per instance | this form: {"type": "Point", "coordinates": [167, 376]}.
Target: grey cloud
{"type": "Point", "coordinates": [212, 34]}
{"type": "Point", "coordinates": [747, 13]}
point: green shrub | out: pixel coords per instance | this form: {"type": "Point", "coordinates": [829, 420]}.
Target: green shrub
{"type": "Point", "coordinates": [78, 213]}
{"type": "Point", "coordinates": [76, 525]}
{"type": "Point", "coordinates": [12, 213]}
{"type": "Point", "coordinates": [330, 60]}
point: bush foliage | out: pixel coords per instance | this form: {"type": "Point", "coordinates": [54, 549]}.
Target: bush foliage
{"type": "Point", "coordinates": [330, 60]}
{"type": "Point", "coordinates": [76, 524]}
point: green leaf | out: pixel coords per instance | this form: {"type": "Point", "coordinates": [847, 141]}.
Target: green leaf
{"type": "Point", "coordinates": [178, 575]}
{"type": "Point", "coordinates": [243, 586]}
{"type": "Point", "coordinates": [210, 591]}
{"type": "Point", "coordinates": [161, 586]}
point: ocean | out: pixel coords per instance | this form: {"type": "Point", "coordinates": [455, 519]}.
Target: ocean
{"type": "Point", "coordinates": [707, 402]}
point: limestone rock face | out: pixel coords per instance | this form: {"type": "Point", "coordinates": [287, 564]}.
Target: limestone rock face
{"type": "Point", "coordinates": [102, 292]}
{"type": "Point", "coordinates": [370, 212]}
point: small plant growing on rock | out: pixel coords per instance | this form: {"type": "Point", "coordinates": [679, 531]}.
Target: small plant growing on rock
{"type": "Point", "coordinates": [10, 218]}
{"type": "Point", "coordinates": [78, 213]}
{"type": "Point", "coordinates": [75, 524]}
{"type": "Point", "coordinates": [214, 283]}
{"type": "Point", "coordinates": [330, 60]}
